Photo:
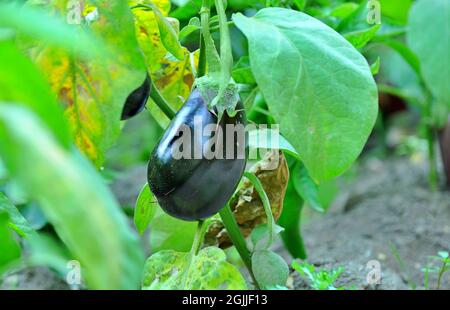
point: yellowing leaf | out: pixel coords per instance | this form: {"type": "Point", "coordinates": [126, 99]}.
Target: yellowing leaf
{"type": "Point", "coordinates": [208, 270]}
{"type": "Point", "coordinates": [169, 37]}
{"type": "Point", "coordinates": [147, 34]}
{"type": "Point", "coordinates": [174, 80]}
{"type": "Point", "coordinates": [94, 90]}
{"type": "Point", "coordinates": [172, 77]}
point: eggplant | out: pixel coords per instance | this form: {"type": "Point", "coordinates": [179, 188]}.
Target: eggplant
{"type": "Point", "coordinates": [194, 188]}
{"type": "Point", "coordinates": [136, 100]}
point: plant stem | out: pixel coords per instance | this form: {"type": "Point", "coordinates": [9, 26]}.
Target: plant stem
{"type": "Point", "coordinates": [211, 54]}
{"type": "Point", "coordinates": [266, 204]}
{"type": "Point", "coordinates": [238, 240]}
{"type": "Point", "coordinates": [161, 102]}
{"type": "Point", "coordinates": [202, 58]}
{"type": "Point", "coordinates": [441, 273]}
{"type": "Point", "coordinates": [431, 137]}
{"type": "Point", "coordinates": [290, 220]}
{"type": "Point", "coordinates": [432, 174]}
{"type": "Point", "coordinates": [199, 234]}
{"type": "Point", "coordinates": [226, 56]}
{"type": "Point", "coordinates": [444, 144]}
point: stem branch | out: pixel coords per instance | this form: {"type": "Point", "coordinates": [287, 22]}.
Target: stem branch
{"type": "Point", "coordinates": [202, 58]}
{"type": "Point", "coordinates": [199, 234]}
{"type": "Point", "coordinates": [238, 240]}
{"type": "Point", "coordinates": [161, 102]}
{"type": "Point", "coordinates": [431, 138]}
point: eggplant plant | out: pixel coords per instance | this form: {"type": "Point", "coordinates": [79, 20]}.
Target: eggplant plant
{"type": "Point", "coordinates": [298, 68]}
{"type": "Point", "coordinates": [287, 75]}
{"type": "Point", "coordinates": [410, 32]}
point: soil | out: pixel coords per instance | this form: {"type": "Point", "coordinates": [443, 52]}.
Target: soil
{"type": "Point", "coordinates": [389, 215]}
{"type": "Point", "coordinates": [388, 209]}
{"type": "Point", "coordinates": [34, 278]}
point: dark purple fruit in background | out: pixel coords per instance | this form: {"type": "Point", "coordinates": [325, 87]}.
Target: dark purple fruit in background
{"type": "Point", "coordinates": [136, 101]}
{"type": "Point", "coordinates": [195, 189]}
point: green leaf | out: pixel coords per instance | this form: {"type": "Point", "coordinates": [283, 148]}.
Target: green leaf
{"type": "Point", "coordinates": [16, 221]}
{"type": "Point", "coordinates": [397, 10]}
{"type": "Point", "coordinates": [21, 82]}
{"type": "Point", "coordinates": [375, 67]}
{"type": "Point", "coordinates": [405, 53]}
{"type": "Point", "coordinates": [443, 254]}
{"type": "Point", "coordinates": [306, 187]}
{"type": "Point", "coordinates": [316, 84]}
{"type": "Point", "coordinates": [427, 36]}
{"type": "Point", "coordinates": [264, 138]}
{"type": "Point", "coordinates": [248, 97]}
{"type": "Point", "coordinates": [321, 279]}
{"type": "Point", "coordinates": [208, 270]}
{"type": "Point", "coordinates": [168, 35]}
{"type": "Point", "coordinates": [344, 10]}
{"type": "Point", "coordinates": [192, 26]}
{"type": "Point", "coordinates": [9, 248]}
{"type": "Point", "coordinates": [260, 234]}
{"type": "Point", "coordinates": [80, 206]}
{"type": "Point", "coordinates": [269, 269]}
{"type": "Point", "coordinates": [242, 73]}
{"type": "Point", "coordinates": [300, 4]}
{"type": "Point", "coordinates": [167, 232]}
{"type": "Point", "coordinates": [356, 18]}
{"type": "Point", "coordinates": [93, 90]}
{"type": "Point", "coordinates": [360, 38]}
{"type": "Point", "coordinates": [145, 209]}
{"type": "Point", "coordinates": [187, 10]}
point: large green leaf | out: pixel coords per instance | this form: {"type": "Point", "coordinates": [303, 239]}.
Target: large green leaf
{"type": "Point", "coordinates": [208, 270]}
{"type": "Point", "coordinates": [74, 198]}
{"type": "Point", "coordinates": [317, 85]}
{"type": "Point", "coordinates": [428, 36]}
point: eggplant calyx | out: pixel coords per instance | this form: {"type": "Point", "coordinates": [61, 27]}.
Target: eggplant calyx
{"type": "Point", "coordinates": [209, 89]}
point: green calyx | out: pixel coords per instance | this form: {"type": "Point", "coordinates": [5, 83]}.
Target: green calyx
{"type": "Point", "coordinates": [209, 87]}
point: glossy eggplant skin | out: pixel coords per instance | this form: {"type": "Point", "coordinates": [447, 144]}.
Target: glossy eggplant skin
{"type": "Point", "coordinates": [195, 189]}
{"type": "Point", "coordinates": [136, 100]}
